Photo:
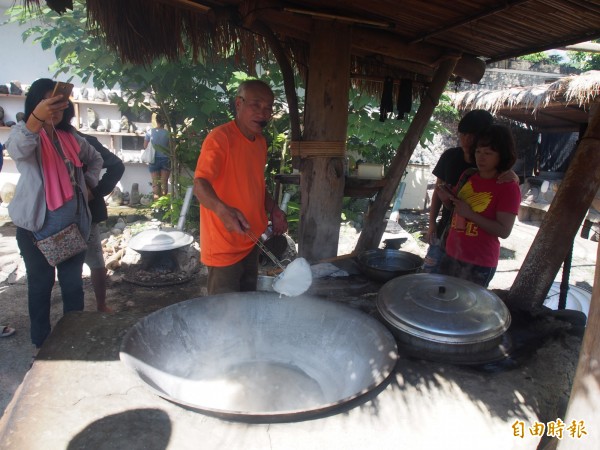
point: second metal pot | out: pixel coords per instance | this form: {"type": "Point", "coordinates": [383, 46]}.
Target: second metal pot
{"type": "Point", "coordinates": [442, 314]}
{"type": "Point", "coordinates": [385, 264]}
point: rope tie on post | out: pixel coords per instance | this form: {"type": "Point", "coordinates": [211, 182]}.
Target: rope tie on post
{"type": "Point", "coordinates": [318, 149]}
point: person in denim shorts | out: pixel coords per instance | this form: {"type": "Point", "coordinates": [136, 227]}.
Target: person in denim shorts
{"type": "Point", "coordinates": [160, 169]}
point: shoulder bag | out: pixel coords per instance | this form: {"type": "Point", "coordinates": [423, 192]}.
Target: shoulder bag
{"type": "Point", "coordinates": [63, 245]}
{"type": "Point", "coordinates": [147, 156]}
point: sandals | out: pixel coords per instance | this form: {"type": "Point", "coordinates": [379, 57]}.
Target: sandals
{"type": "Point", "coordinates": [7, 331]}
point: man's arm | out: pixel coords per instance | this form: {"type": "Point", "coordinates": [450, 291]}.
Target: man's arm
{"type": "Point", "coordinates": [434, 210]}
{"type": "Point", "coordinates": [507, 177]}
{"type": "Point", "coordinates": [232, 218]}
{"type": "Point", "coordinates": [278, 217]}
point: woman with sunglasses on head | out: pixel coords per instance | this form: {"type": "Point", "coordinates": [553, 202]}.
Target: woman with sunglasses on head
{"type": "Point", "coordinates": [484, 210]}
{"type": "Point", "coordinates": [51, 194]}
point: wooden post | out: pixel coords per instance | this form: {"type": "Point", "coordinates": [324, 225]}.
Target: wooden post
{"type": "Point", "coordinates": [326, 120]}
{"type": "Point", "coordinates": [560, 224]}
{"type": "Point", "coordinates": [583, 403]}
{"type": "Point", "coordinates": [374, 225]}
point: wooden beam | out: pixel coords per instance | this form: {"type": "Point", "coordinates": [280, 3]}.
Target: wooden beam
{"type": "Point", "coordinates": [380, 42]}
{"type": "Point", "coordinates": [288, 76]}
{"type": "Point", "coordinates": [326, 120]}
{"type": "Point", "coordinates": [467, 20]}
{"type": "Point", "coordinates": [561, 223]}
{"type": "Point", "coordinates": [187, 4]}
{"type": "Point", "coordinates": [386, 43]}
{"type": "Point", "coordinates": [583, 402]}
{"type": "Point", "coordinates": [375, 224]}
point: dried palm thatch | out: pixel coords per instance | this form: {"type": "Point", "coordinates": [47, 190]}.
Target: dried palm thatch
{"type": "Point", "coordinates": [140, 30]}
{"type": "Point", "coordinates": [576, 90]}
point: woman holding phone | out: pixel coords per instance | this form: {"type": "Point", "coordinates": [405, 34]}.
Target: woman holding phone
{"type": "Point", "coordinates": [483, 209]}
{"type": "Point", "coordinates": [50, 195]}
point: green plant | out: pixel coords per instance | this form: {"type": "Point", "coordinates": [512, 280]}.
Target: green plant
{"type": "Point", "coordinates": [542, 58]}
{"type": "Point", "coordinates": [585, 60]}
{"type": "Point", "coordinates": [376, 141]}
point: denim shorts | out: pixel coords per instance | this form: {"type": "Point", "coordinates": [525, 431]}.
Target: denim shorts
{"type": "Point", "coordinates": [433, 258]}
{"type": "Point", "coordinates": [160, 163]}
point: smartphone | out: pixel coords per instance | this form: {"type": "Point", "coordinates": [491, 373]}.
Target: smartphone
{"type": "Point", "coordinates": [63, 89]}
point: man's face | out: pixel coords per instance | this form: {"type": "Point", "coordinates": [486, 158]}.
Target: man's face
{"type": "Point", "coordinates": [254, 108]}
{"type": "Point", "coordinates": [466, 141]}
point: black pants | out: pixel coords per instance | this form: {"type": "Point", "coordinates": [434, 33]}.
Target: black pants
{"type": "Point", "coordinates": [40, 280]}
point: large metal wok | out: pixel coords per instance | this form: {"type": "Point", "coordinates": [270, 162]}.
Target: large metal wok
{"type": "Point", "coordinates": [258, 357]}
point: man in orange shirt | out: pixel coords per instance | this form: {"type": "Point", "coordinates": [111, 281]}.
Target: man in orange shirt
{"type": "Point", "coordinates": [229, 182]}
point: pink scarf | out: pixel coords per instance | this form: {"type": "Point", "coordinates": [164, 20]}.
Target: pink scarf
{"type": "Point", "coordinates": [56, 176]}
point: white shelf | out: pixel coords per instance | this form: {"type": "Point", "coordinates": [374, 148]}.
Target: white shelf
{"type": "Point", "coordinates": [12, 96]}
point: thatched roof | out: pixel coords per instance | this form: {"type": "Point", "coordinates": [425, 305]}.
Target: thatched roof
{"type": "Point", "coordinates": [560, 106]}
{"type": "Point", "coordinates": [406, 39]}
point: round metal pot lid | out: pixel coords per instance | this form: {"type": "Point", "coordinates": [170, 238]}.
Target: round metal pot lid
{"type": "Point", "coordinates": [442, 309]}
{"type": "Point", "coordinates": [159, 240]}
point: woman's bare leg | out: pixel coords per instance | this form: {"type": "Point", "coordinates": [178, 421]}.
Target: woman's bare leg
{"type": "Point", "coordinates": [164, 179]}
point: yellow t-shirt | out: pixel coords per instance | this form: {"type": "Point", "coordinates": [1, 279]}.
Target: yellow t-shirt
{"type": "Point", "coordinates": [234, 165]}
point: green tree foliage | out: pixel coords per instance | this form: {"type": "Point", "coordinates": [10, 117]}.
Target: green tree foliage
{"type": "Point", "coordinates": [585, 60]}
{"type": "Point", "coordinates": [542, 58]}
{"type": "Point", "coordinates": [376, 141]}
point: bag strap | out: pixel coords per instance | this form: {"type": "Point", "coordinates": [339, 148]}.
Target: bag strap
{"type": "Point", "coordinates": [70, 169]}
{"type": "Point", "coordinates": [464, 177]}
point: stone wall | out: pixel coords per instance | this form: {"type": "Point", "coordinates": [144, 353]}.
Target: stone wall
{"type": "Point", "coordinates": [517, 73]}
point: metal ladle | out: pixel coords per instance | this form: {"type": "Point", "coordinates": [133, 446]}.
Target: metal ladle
{"type": "Point", "coordinates": [264, 248]}
{"type": "Point", "coordinates": [298, 267]}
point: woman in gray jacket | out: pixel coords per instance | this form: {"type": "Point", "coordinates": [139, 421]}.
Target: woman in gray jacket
{"type": "Point", "coordinates": [51, 194]}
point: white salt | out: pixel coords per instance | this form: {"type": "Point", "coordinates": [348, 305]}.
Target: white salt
{"type": "Point", "coordinates": [295, 279]}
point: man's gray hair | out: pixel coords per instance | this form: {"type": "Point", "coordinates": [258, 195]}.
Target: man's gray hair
{"type": "Point", "coordinates": [251, 84]}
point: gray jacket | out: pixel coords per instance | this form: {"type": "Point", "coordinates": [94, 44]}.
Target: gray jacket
{"type": "Point", "coordinates": [27, 209]}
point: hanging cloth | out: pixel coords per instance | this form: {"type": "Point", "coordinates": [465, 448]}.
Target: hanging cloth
{"type": "Point", "coordinates": [404, 102]}
{"type": "Point", "coordinates": [387, 99]}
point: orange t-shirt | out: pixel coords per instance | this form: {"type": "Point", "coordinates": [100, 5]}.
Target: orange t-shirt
{"type": "Point", "coordinates": [234, 165]}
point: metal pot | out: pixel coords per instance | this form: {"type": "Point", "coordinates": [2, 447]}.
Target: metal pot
{"type": "Point", "coordinates": [438, 314]}
{"type": "Point", "coordinates": [161, 240]}
{"type": "Point", "coordinates": [385, 264]}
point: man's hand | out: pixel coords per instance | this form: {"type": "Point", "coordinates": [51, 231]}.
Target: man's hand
{"type": "Point", "coordinates": [233, 219]}
{"type": "Point", "coordinates": [507, 177]}
{"type": "Point", "coordinates": [279, 221]}
{"type": "Point", "coordinates": [431, 234]}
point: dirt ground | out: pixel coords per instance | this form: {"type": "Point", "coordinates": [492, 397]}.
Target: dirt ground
{"type": "Point", "coordinates": [16, 352]}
